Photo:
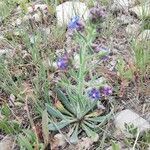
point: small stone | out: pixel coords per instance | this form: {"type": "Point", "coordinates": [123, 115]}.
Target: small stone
{"type": "Point", "coordinates": [133, 29]}
{"type": "Point", "coordinates": [68, 10]}
{"type": "Point", "coordinates": [18, 22]}
{"type": "Point", "coordinates": [37, 17]}
{"type": "Point", "coordinates": [142, 10]}
{"type": "Point", "coordinates": [145, 35]}
{"type": "Point", "coordinates": [7, 143]}
{"type": "Point", "coordinates": [130, 118]}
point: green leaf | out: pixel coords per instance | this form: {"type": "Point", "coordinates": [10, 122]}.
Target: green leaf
{"type": "Point", "coordinates": [54, 112]}
{"type": "Point", "coordinates": [64, 100]}
{"type": "Point", "coordinates": [5, 110]}
{"type": "Point", "coordinates": [45, 130]}
{"type": "Point", "coordinates": [29, 134]}
{"type": "Point", "coordinates": [100, 119]}
{"type": "Point", "coordinates": [88, 108]}
{"type": "Point", "coordinates": [57, 126]}
{"type": "Point", "coordinates": [115, 146]}
{"type": "Point", "coordinates": [90, 133]}
{"type": "Point", "coordinates": [91, 124]}
{"type": "Point", "coordinates": [24, 142]}
{"type": "Point", "coordinates": [74, 136]}
{"type": "Point", "coordinates": [9, 127]}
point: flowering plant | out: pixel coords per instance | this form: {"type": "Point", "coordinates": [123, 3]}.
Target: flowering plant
{"type": "Point", "coordinates": [76, 103]}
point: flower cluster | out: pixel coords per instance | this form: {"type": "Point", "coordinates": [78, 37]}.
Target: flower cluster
{"type": "Point", "coordinates": [63, 62]}
{"type": "Point", "coordinates": [95, 94]}
{"type": "Point", "coordinates": [76, 23]}
{"type": "Point", "coordinates": [106, 90]}
{"type": "Point", "coordinates": [97, 13]}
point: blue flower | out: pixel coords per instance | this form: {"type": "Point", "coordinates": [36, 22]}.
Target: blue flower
{"type": "Point", "coordinates": [94, 94]}
{"type": "Point", "coordinates": [63, 62]}
{"type": "Point", "coordinates": [73, 24]}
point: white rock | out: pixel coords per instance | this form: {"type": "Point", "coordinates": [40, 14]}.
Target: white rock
{"type": "Point", "coordinates": [133, 29]}
{"type": "Point", "coordinates": [69, 9]}
{"type": "Point", "coordinates": [129, 117]}
{"type": "Point", "coordinates": [145, 35]}
{"type": "Point", "coordinates": [142, 10]}
{"type": "Point", "coordinates": [123, 4]}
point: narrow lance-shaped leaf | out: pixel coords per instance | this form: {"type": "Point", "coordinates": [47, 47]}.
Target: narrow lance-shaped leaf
{"type": "Point", "coordinates": [74, 136]}
{"type": "Point", "coordinates": [90, 133]}
{"type": "Point", "coordinates": [45, 127]}
{"type": "Point", "coordinates": [64, 100]}
{"type": "Point", "coordinates": [57, 126]}
{"type": "Point", "coordinates": [25, 142]}
{"type": "Point", "coordinates": [54, 112]}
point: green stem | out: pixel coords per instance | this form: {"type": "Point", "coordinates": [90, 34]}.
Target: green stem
{"type": "Point", "coordinates": [82, 70]}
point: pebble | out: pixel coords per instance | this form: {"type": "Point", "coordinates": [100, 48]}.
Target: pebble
{"type": "Point", "coordinates": [129, 117]}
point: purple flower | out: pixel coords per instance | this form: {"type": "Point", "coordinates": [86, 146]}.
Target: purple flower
{"type": "Point", "coordinates": [97, 13]}
{"type": "Point", "coordinates": [63, 62]}
{"type": "Point", "coordinates": [94, 94]}
{"type": "Point", "coordinates": [105, 58]}
{"type": "Point", "coordinates": [76, 23]}
{"type": "Point", "coordinates": [107, 90]}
